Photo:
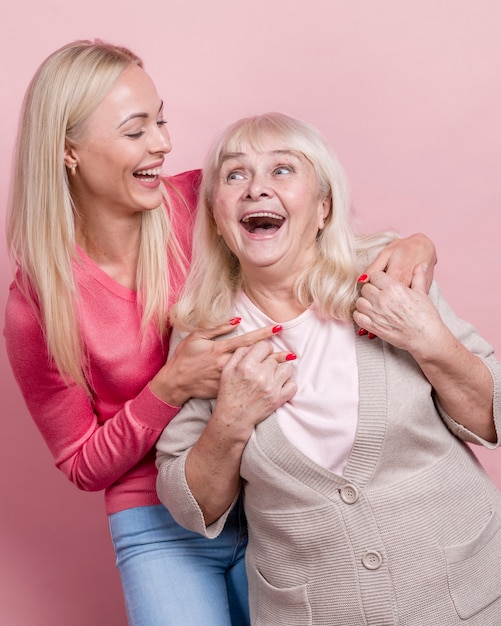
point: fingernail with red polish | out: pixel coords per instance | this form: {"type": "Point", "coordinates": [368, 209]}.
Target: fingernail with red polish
{"type": "Point", "coordinates": [291, 357]}
{"type": "Point", "coordinates": [276, 329]}
{"type": "Point", "coordinates": [362, 332]}
{"type": "Point", "coordinates": [235, 320]}
{"type": "Point", "coordinates": [371, 336]}
{"type": "Point", "coordinates": [362, 278]}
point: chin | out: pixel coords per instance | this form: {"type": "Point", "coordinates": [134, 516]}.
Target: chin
{"type": "Point", "coordinates": [151, 204]}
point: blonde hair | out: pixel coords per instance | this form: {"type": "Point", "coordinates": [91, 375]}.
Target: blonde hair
{"type": "Point", "coordinates": [64, 91]}
{"type": "Point", "coordinates": [329, 283]}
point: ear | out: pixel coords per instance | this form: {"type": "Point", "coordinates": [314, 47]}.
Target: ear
{"type": "Point", "coordinates": [70, 157]}
{"type": "Point", "coordinates": [325, 210]}
{"type": "Point", "coordinates": [210, 213]}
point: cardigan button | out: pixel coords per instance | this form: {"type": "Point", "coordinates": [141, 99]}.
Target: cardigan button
{"type": "Point", "coordinates": [372, 559]}
{"type": "Point", "coordinates": [349, 494]}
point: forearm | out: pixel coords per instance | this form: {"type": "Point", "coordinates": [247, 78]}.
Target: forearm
{"type": "Point", "coordinates": [463, 385]}
{"type": "Point", "coordinates": [212, 468]}
{"type": "Point", "coordinates": [95, 458]}
{"type": "Point", "coordinates": [92, 454]}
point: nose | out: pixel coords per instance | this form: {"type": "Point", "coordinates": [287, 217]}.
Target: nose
{"type": "Point", "coordinates": [258, 187]}
{"type": "Point", "coordinates": [160, 141]}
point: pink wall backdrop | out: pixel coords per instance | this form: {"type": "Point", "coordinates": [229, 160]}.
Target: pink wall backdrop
{"type": "Point", "coordinates": [409, 93]}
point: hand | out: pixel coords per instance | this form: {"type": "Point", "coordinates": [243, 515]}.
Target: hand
{"type": "Point", "coordinates": [194, 368]}
{"type": "Point", "coordinates": [253, 384]}
{"type": "Point", "coordinates": [402, 257]}
{"type": "Point", "coordinates": [404, 317]}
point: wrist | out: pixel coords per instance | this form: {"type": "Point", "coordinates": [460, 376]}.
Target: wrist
{"type": "Point", "coordinates": [234, 431]}
{"type": "Point", "coordinates": [170, 394]}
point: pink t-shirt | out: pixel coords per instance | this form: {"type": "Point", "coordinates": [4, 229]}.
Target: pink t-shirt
{"type": "Point", "coordinates": [106, 442]}
{"type": "Point", "coordinates": [321, 419]}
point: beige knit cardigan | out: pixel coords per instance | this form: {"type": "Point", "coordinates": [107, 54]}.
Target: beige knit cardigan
{"type": "Point", "coordinates": [410, 535]}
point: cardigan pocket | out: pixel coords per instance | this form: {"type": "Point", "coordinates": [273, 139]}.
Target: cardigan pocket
{"type": "Point", "coordinates": [277, 606]}
{"type": "Point", "coordinates": [474, 569]}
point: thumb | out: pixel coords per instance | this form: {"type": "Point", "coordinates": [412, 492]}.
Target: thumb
{"type": "Point", "coordinates": [419, 282]}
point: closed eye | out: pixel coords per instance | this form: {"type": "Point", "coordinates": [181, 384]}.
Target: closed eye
{"type": "Point", "coordinates": [160, 124]}
{"type": "Point", "coordinates": [135, 135]}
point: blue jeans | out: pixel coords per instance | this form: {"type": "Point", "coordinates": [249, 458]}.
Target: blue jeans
{"type": "Point", "coordinates": [174, 577]}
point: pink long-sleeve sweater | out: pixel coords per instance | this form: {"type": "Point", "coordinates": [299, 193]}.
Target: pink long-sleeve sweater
{"type": "Point", "coordinates": [107, 443]}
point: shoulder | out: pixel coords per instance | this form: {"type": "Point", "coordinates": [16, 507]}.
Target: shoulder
{"type": "Point", "coordinates": [190, 178]}
{"type": "Point", "coordinates": [20, 311]}
{"type": "Point", "coordinates": [22, 327]}
{"type": "Point", "coordinates": [184, 186]}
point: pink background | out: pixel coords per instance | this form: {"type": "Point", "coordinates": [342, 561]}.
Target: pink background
{"type": "Point", "coordinates": [409, 93]}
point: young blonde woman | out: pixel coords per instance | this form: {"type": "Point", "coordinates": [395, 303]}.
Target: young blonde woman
{"type": "Point", "coordinates": [102, 241]}
{"type": "Point", "coordinates": [364, 504]}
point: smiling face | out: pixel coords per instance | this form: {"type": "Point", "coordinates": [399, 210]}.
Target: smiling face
{"type": "Point", "coordinates": [268, 208]}
{"type": "Point", "coordinates": [120, 149]}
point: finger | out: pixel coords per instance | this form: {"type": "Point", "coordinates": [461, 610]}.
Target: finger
{"type": "Point", "coordinates": [250, 338]}
{"type": "Point", "coordinates": [364, 322]}
{"type": "Point", "coordinates": [288, 391]}
{"type": "Point", "coordinates": [380, 284]}
{"type": "Point", "coordinates": [235, 358]}
{"type": "Point", "coordinates": [428, 275]}
{"type": "Point", "coordinates": [255, 353]}
{"type": "Point", "coordinates": [283, 374]}
{"type": "Point", "coordinates": [282, 357]}
{"type": "Point", "coordinates": [419, 279]}
{"type": "Point", "coordinates": [368, 298]}
{"type": "Point", "coordinates": [218, 331]}
{"type": "Point", "coordinates": [380, 262]}
{"type": "Point", "coordinates": [379, 280]}
{"type": "Point", "coordinates": [284, 377]}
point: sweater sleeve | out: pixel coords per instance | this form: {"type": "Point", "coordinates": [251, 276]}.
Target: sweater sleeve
{"type": "Point", "coordinates": [469, 337]}
{"type": "Point", "coordinates": [93, 454]}
{"type": "Point", "coordinates": [173, 447]}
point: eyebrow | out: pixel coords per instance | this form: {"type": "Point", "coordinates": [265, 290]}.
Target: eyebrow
{"type": "Point", "coordinates": [133, 116]}
{"type": "Point", "coordinates": [235, 155]}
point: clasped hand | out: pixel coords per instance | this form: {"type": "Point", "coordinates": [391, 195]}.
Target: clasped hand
{"type": "Point", "coordinates": [402, 316]}
{"type": "Point", "coordinates": [194, 369]}
{"type": "Point", "coordinates": [255, 381]}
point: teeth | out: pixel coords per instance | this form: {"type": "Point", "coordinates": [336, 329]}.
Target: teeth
{"type": "Point", "coordinates": [152, 172]}
{"type": "Point", "coordinates": [274, 216]}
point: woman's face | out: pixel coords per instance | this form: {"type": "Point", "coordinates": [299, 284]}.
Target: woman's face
{"type": "Point", "coordinates": [121, 149]}
{"type": "Point", "coordinates": [268, 208]}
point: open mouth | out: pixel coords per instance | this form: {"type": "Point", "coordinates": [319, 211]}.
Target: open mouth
{"type": "Point", "coordinates": [148, 175]}
{"type": "Point", "coordinates": [262, 221]}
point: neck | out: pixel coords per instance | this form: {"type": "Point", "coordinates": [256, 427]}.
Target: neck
{"type": "Point", "coordinates": [275, 299]}
{"type": "Point", "coordinates": [113, 246]}
{"type": "Point", "coordinates": [111, 238]}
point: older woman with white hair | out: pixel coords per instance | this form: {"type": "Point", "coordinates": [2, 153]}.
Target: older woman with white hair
{"type": "Point", "coordinates": [364, 503]}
